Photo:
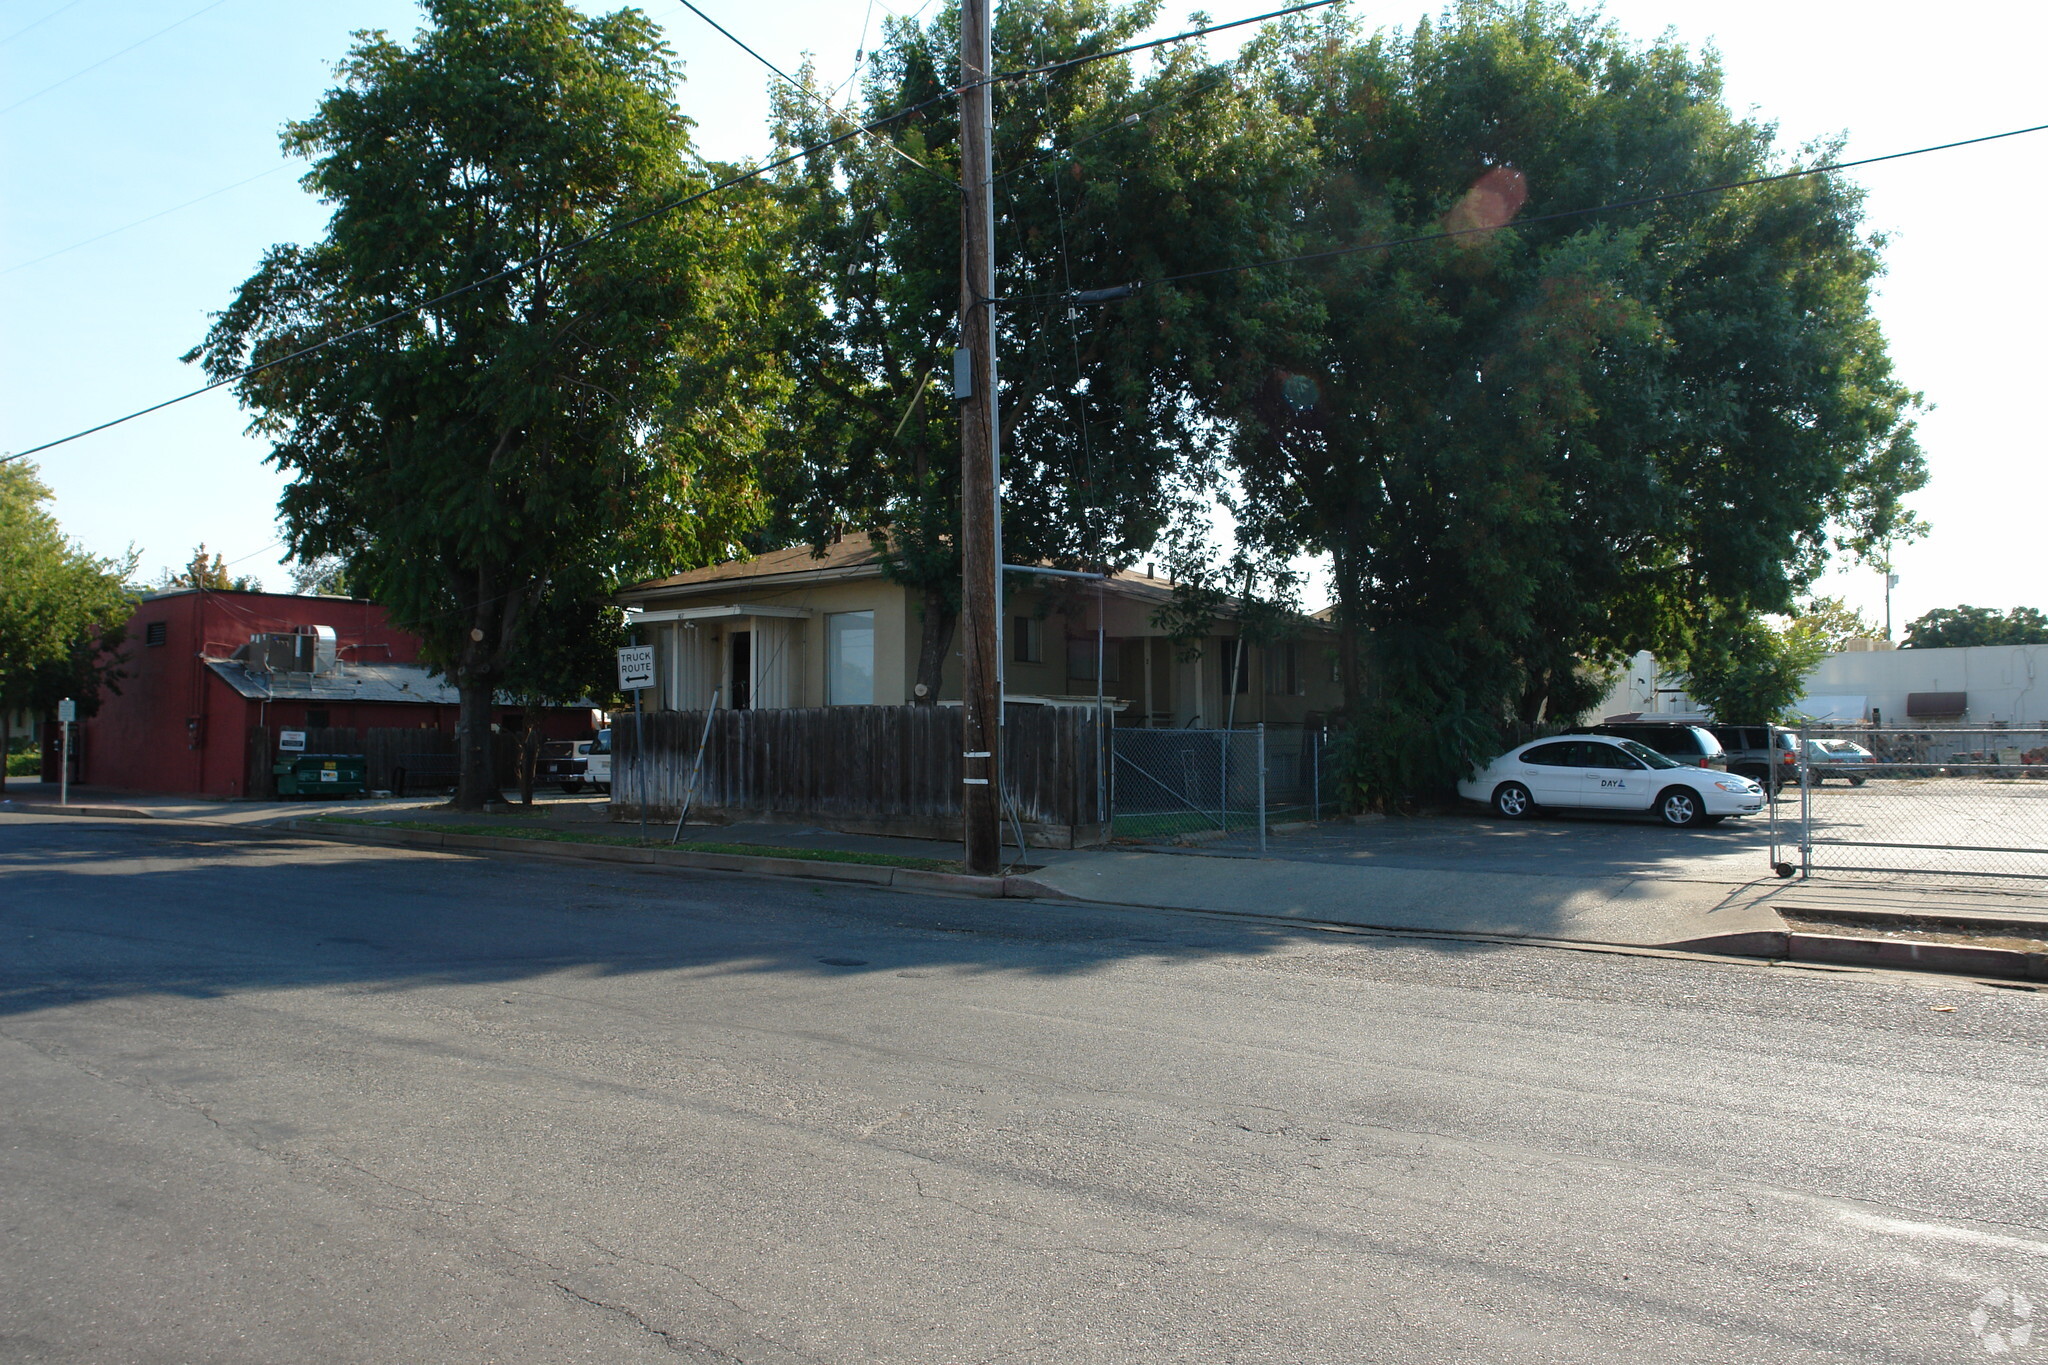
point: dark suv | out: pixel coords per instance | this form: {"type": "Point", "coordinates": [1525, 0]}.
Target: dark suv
{"type": "Point", "coordinates": [1692, 745]}
{"type": "Point", "coordinates": [1768, 754]}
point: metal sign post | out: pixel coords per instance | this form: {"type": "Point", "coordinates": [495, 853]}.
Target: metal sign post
{"type": "Point", "coordinates": [636, 673]}
{"type": "Point", "coordinates": [67, 712]}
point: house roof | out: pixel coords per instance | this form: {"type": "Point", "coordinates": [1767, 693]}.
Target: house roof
{"type": "Point", "coordinates": [353, 682]}
{"type": "Point", "coordinates": [851, 557]}
{"type": "Point", "coordinates": [856, 557]}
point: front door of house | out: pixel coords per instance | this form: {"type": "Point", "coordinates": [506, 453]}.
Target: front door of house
{"type": "Point", "coordinates": [742, 682]}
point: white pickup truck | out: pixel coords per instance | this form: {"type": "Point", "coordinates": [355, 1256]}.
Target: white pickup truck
{"type": "Point", "coordinates": [575, 762]}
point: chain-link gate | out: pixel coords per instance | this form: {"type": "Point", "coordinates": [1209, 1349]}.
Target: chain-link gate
{"type": "Point", "coordinates": [1179, 782]}
{"type": "Point", "coordinates": [1940, 802]}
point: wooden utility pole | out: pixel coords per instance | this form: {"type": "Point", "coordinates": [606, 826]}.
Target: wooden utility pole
{"type": "Point", "coordinates": [975, 372]}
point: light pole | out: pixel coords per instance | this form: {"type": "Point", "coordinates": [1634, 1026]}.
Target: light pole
{"type": "Point", "coordinates": [1891, 580]}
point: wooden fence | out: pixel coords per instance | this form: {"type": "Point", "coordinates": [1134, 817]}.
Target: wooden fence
{"type": "Point", "coordinates": [863, 769]}
{"type": "Point", "coordinates": [385, 750]}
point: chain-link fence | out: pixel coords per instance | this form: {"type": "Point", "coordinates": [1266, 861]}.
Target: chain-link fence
{"type": "Point", "coordinates": [1937, 802]}
{"type": "Point", "coordinates": [1170, 783]}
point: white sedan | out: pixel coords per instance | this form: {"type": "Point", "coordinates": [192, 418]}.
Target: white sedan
{"type": "Point", "coordinates": [1596, 772]}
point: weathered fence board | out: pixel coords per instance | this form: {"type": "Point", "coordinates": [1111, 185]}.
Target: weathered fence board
{"type": "Point", "coordinates": [878, 769]}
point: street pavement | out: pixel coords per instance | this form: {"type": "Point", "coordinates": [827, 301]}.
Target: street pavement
{"type": "Point", "coordinates": [274, 1099]}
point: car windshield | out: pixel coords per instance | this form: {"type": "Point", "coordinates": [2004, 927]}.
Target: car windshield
{"type": "Point", "coordinates": [1840, 746]}
{"type": "Point", "coordinates": [1647, 754]}
{"type": "Point", "coordinates": [603, 744]}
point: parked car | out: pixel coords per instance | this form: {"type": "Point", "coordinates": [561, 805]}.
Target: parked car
{"type": "Point", "coordinates": [1603, 772]}
{"type": "Point", "coordinates": [1826, 758]}
{"type": "Point", "coordinates": [574, 763]}
{"type": "Point", "coordinates": [1764, 753]}
{"type": "Point", "coordinates": [1692, 745]}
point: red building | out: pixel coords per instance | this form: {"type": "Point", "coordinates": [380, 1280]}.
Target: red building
{"type": "Point", "coordinates": [213, 678]}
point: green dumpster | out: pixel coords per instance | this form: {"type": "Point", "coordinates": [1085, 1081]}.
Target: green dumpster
{"type": "Point", "coordinates": [321, 775]}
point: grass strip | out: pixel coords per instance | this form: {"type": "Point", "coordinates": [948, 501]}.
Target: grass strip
{"type": "Point", "coordinates": [809, 855]}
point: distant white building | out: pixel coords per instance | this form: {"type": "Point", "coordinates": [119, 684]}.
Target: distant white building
{"type": "Point", "coordinates": [1988, 685]}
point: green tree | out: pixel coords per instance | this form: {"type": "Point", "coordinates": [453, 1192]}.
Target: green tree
{"type": "Point", "coordinates": [1832, 624]}
{"type": "Point", "coordinates": [61, 609]}
{"type": "Point", "coordinates": [1105, 175]}
{"type": "Point", "coordinates": [1747, 673]}
{"type": "Point", "coordinates": [1957, 627]}
{"type": "Point", "coordinates": [325, 574]}
{"type": "Point", "coordinates": [210, 573]}
{"type": "Point", "coordinates": [1536, 443]}
{"type": "Point", "coordinates": [571, 395]}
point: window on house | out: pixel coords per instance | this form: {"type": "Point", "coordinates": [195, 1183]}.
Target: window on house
{"type": "Point", "coordinates": [1283, 670]}
{"type": "Point", "coordinates": [156, 632]}
{"type": "Point", "coordinates": [850, 658]}
{"type": "Point", "coordinates": [1081, 659]}
{"type": "Point", "coordinates": [1236, 677]}
{"type": "Point", "coordinates": [1027, 640]}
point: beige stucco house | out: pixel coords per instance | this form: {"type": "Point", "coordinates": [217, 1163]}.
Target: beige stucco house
{"type": "Point", "coordinates": [793, 628]}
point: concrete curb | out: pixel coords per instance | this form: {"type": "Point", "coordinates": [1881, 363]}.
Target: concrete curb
{"type": "Point", "coordinates": [1959, 959]}
{"type": "Point", "coordinates": [11, 807]}
{"type": "Point", "coordinates": [808, 869]}
{"type": "Point", "coordinates": [1953, 958]}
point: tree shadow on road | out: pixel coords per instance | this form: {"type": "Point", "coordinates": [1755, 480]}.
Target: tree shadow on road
{"type": "Point", "coordinates": [95, 910]}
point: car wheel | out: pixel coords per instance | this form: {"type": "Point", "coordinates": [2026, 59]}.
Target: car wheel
{"type": "Point", "coordinates": [1856, 781]}
{"type": "Point", "coordinates": [572, 787]}
{"type": "Point", "coordinates": [1680, 807]}
{"type": "Point", "coordinates": [1511, 801]}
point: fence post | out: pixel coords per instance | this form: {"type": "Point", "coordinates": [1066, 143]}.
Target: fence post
{"type": "Point", "coordinates": [1262, 786]}
{"type": "Point", "coordinates": [1315, 777]}
{"type": "Point", "coordinates": [1223, 783]}
{"type": "Point", "coordinates": [1805, 812]}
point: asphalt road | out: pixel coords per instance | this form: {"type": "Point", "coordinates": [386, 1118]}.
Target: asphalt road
{"type": "Point", "coordinates": [270, 1100]}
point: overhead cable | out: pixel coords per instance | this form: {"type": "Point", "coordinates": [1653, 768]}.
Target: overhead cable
{"type": "Point", "coordinates": [518, 268]}
{"type": "Point", "coordinates": [1447, 234]}
{"type": "Point", "coordinates": [8, 109]}
{"type": "Point", "coordinates": [805, 90]}
{"type": "Point", "coordinates": [161, 213]}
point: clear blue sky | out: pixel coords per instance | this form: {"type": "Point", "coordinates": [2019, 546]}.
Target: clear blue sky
{"type": "Point", "coordinates": [96, 330]}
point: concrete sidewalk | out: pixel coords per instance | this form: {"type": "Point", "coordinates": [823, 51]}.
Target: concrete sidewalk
{"type": "Point", "coordinates": [1596, 907]}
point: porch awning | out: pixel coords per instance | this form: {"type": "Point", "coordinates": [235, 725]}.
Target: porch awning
{"type": "Point", "coordinates": [644, 618]}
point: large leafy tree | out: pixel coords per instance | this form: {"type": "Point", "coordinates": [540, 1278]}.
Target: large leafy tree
{"type": "Point", "coordinates": [1951, 627]}
{"type": "Point", "coordinates": [1534, 443]}
{"type": "Point", "coordinates": [564, 399]}
{"type": "Point", "coordinates": [1106, 174]}
{"type": "Point", "coordinates": [209, 572]}
{"type": "Point", "coordinates": [62, 610]}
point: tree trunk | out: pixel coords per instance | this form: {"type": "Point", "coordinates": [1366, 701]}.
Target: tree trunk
{"type": "Point", "coordinates": [477, 782]}
{"type": "Point", "coordinates": [6, 743]}
{"type": "Point", "coordinates": [933, 645]}
{"type": "Point", "coordinates": [529, 755]}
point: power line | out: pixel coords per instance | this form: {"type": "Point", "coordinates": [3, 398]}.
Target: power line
{"type": "Point", "coordinates": [512, 271]}
{"type": "Point", "coordinates": [1127, 121]}
{"type": "Point", "coordinates": [518, 268]}
{"type": "Point", "coordinates": [1671, 197]}
{"type": "Point", "coordinates": [1154, 42]}
{"type": "Point", "coordinates": [38, 23]}
{"type": "Point", "coordinates": [161, 213]}
{"type": "Point", "coordinates": [216, 4]}
{"type": "Point", "coordinates": [805, 90]}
